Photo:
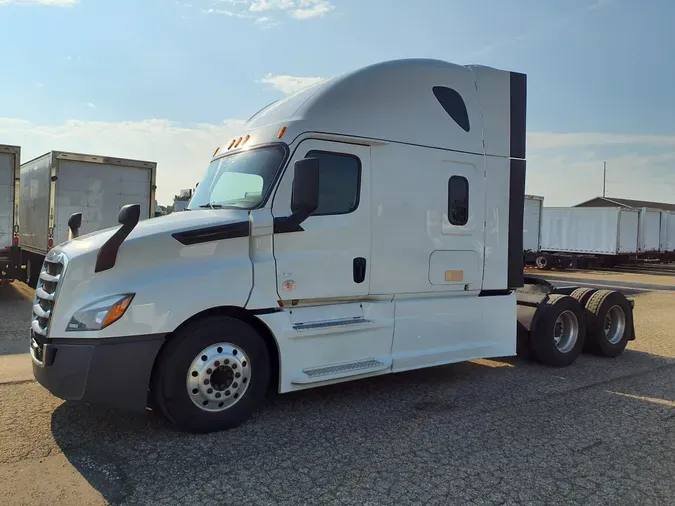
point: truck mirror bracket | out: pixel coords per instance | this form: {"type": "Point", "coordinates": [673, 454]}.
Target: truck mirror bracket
{"type": "Point", "coordinates": [74, 224]}
{"type": "Point", "coordinates": [107, 255]}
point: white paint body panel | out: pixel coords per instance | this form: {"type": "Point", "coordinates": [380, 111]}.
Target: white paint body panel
{"type": "Point", "coordinates": [419, 304]}
{"type": "Point", "coordinates": [8, 163]}
{"type": "Point", "coordinates": [320, 260]}
{"type": "Point", "coordinates": [92, 185]}
{"type": "Point", "coordinates": [532, 223]}
{"type": "Point", "coordinates": [667, 234]}
{"type": "Point", "coordinates": [589, 230]}
{"type": "Point", "coordinates": [649, 231]}
{"type": "Point", "coordinates": [34, 203]}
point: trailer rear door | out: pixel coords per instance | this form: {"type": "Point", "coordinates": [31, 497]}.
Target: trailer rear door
{"type": "Point", "coordinates": [7, 164]}
{"type": "Point", "coordinates": [98, 191]}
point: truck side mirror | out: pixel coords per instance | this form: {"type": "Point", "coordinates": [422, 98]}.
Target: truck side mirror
{"type": "Point", "coordinates": [129, 215]}
{"type": "Point", "coordinates": [74, 224]}
{"type": "Point", "coordinates": [305, 197]}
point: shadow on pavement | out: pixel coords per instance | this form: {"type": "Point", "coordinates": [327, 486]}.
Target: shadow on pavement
{"type": "Point", "coordinates": [305, 447]}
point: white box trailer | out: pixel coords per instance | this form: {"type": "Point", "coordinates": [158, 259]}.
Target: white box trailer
{"type": "Point", "coordinates": [532, 223]}
{"type": "Point", "coordinates": [58, 184]}
{"type": "Point", "coordinates": [10, 254]}
{"type": "Point", "coordinates": [368, 225]}
{"type": "Point", "coordinates": [649, 230]}
{"type": "Point", "coordinates": [667, 233]}
{"type": "Point", "coordinates": [590, 230]}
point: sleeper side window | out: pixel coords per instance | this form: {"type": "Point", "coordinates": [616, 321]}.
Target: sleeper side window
{"type": "Point", "coordinates": [339, 182]}
{"type": "Point", "coordinates": [458, 200]}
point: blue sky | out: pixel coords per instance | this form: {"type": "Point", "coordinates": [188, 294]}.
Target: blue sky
{"type": "Point", "coordinates": [169, 80]}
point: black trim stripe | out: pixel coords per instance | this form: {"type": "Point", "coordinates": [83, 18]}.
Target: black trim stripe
{"type": "Point", "coordinates": [516, 211]}
{"type": "Point", "coordinates": [518, 114]}
{"type": "Point", "coordinates": [213, 233]}
{"type": "Point", "coordinates": [494, 293]}
{"type": "Point", "coordinates": [286, 225]}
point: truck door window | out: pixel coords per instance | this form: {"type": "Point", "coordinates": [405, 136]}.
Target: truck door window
{"type": "Point", "coordinates": [458, 200]}
{"type": "Point", "coordinates": [339, 182]}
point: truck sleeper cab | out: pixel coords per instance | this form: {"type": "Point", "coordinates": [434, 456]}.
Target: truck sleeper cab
{"type": "Point", "coordinates": [366, 225]}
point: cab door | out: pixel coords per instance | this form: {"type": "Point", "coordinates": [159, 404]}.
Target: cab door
{"type": "Point", "coordinates": [329, 256]}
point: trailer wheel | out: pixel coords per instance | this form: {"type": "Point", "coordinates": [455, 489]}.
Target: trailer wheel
{"type": "Point", "coordinates": [543, 262]}
{"type": "Point", "coordinates": [563, 263]}
{"type": "Point", "coordinates": [557, 337]}
{"type": "Point", "coordinates": [212, 375]}
{"type": "Point", "coordinates": [610, 322]}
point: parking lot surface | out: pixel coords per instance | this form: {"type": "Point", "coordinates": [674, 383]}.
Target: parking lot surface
{"type": "Point", "coordinates": [483, 432]}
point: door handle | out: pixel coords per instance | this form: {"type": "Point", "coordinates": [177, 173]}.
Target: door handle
{"type": "Point", "coordinates": [359, 269]}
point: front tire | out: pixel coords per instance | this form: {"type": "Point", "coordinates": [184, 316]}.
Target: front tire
{"type": "Point", "coordinates": [212, 375]}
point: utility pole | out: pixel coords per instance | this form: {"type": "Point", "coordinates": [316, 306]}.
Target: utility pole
{"type": "Point", "coordinates": [604, 178]}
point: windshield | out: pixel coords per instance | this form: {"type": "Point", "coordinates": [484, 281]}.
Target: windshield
{"type": "Point", "coordinates": [238, 181]}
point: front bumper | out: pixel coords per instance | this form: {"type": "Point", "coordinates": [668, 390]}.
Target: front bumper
{"type": "Point", "coordinates": [112, 372]}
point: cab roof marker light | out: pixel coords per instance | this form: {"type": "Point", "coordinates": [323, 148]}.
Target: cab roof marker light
{"type": "Point", "coordinates": [245, 140]}
{"type": "Point", "coordinates": [216, 151]}
{"type": "Point", "coordinates": [231, 144]}
{"type": "Point", "coordinates": [236, 144]}
{"type": "Point", "coordinates": [281, 133]}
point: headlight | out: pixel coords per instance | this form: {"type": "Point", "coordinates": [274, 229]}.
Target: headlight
{"type": "Point", "coordinates": [100, 314]}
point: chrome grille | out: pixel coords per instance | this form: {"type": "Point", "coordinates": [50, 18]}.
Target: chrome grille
{"type": "Point", "coordinates": [45, 299]}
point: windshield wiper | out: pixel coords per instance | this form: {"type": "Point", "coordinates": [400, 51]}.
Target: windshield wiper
{"type": "Point", "coordinates": [212, 206]}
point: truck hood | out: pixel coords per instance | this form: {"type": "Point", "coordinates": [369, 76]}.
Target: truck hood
{"type": "Point", "coordinates": [160, 226]}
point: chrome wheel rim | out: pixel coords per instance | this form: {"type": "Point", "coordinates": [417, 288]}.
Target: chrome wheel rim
{"type": "Point", "coordinates": [566, 331]}
{"type": "Point", "coordinates": [615, 324]}
{"type": "Point", "coordinates": [218, 377]}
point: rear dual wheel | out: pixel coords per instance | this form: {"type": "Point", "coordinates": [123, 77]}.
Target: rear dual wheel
{"type": "Point", "coordinates": [558, 335]}
{"type": "Point", "coordinates": [598, 321]}
{"type": "Point", "coordinates": [610, 323]}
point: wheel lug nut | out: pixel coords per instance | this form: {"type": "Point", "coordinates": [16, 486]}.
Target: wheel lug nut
{"type": "Point", "coordinates": [206, 381]}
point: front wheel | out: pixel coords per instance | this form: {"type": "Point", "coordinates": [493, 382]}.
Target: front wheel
{"type": "Point", "coordinates": [212, 375]}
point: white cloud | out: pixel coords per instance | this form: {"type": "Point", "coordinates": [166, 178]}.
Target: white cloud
{"type": "Point", "coordinates": [182, 152]}
{"type": "Point", "coordinates": [548, 140]}
{"type": "Point", "coordinates": [298, 9]}
{"type": "Point", "coordinates": [91, 105]}
{"type": "Point", "coordinates": [52, 3]}
{"type": "Point", "coordinates": [290, 84]}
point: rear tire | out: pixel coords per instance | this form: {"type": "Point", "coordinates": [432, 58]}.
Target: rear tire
{"type": "Point", "coordinates": [582, 295]}
{"type": "Point", "coordinates": [212, 375]}
{"type": "Point", "coordinates": [563, 263]}
{"type": "Point", "coordinates": [543, 262]}
{"type": "Point", "coordinates": [557, 338]}
{"type": "Point", "coordinates": [610, 323]}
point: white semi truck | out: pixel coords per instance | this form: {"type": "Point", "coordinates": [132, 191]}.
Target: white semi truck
{"type": "Point", "coordinates": [11, 268]}
{"type": "Point", "coordinates": [58, 184]}
{"type": "Point", "coordinates": [367, 225]}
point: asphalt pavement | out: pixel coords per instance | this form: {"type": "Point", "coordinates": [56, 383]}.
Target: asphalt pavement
{"type": "Point", "coordinates": [483, 432]}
